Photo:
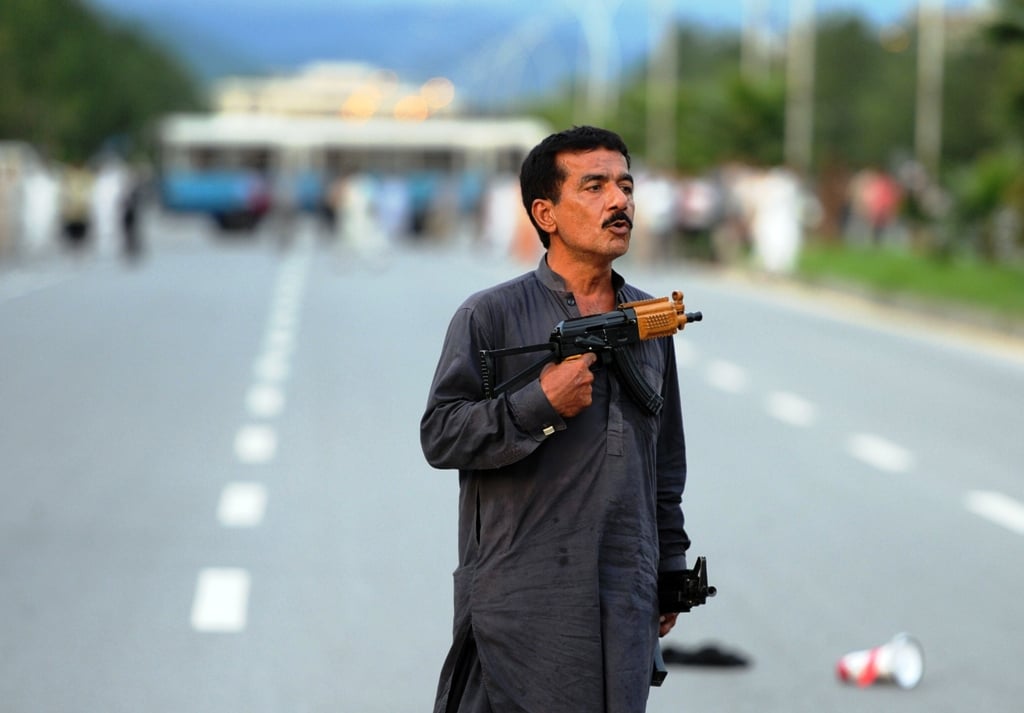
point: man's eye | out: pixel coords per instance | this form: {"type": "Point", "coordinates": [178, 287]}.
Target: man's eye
{"type": "Point", "coordinates": [627, 188]}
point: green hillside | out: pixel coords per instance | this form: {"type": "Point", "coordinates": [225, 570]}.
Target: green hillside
{"type": "Point", "coordinates": [73, 82]}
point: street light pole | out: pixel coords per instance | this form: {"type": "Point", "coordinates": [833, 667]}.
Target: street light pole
{"type": "Point", "coordinates": [596, 23]}
{"type": "Point", "coordinates": [800, 52]}
{"type": "Point", "coordinates": [753, 59]}
{"type": "Point", "coordinates": [662, 60]}
{"type": "Point", "coordinates": [930, 49]}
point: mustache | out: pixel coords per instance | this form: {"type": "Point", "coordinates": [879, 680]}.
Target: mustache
{"type": "Point", "coordinates": [621, 215]}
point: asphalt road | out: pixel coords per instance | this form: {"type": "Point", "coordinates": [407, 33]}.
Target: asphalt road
{"type": "Point", "coordinates": [214, 498]}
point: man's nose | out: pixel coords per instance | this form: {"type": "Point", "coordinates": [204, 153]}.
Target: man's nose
{"type": "Point", "coordinates": [619, 198]}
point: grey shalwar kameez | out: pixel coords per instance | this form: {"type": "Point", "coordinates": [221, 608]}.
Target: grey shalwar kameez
{"type": "Point", "coordinates": [563, 524]}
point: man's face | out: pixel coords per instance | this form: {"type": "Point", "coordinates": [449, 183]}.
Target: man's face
{"type": "Point", "coordinates": [594, 213]}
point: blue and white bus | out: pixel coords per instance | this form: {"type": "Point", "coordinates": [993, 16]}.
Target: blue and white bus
{"type": "Point", "coordinates": [237, 168]}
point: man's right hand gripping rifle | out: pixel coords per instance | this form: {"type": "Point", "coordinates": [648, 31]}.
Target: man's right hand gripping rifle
{"type": "Point", "coordinates": [575, 345]}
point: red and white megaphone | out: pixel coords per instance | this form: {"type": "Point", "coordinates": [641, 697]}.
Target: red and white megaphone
{"type": "Point", "coordinates": [899, 661]}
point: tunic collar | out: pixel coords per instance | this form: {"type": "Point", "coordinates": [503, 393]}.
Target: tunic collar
{"type": "Point", "coordinates": [553, 281]}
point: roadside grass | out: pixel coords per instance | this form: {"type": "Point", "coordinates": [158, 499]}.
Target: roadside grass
{"type": "Point", "coordinates": [991, 292]}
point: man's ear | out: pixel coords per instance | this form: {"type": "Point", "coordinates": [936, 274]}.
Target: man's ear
{"type": "Point", "coordinates": [542, 212]}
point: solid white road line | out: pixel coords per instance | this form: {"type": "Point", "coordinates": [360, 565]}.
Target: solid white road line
{"type": "Point", "coordinates": [790, 408]}
{"type": "Point", "coordinates": [242, 505]}
{"type": "Point", "coordinates": [256, 444]}
{"type": "Point", "coordinates": [998, 508]}
{"type": "Point", "coordinates": [727, 376]}
{"type": "Point", "coordinates": [221, 601]}
{"type": "Point", "coordinates": [880, 453]}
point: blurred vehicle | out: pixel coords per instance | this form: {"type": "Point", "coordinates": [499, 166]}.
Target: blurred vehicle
{"type": "Point", "coordinates": [208, 169]}
{"type": "Point", "coordinates": [234, 198]}
{"type": "Point", "coordinates": [237, 168]}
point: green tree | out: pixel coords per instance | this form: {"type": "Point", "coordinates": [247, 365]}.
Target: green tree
{"type": "Point", "coordinates": [752, 120]}
{"type": "Point", "coordinates": [719, 115]}
{"type": "Point", "coordinates": [72, 81]}
{"type": "Point", "coordinates": [865, 103]}
{"type": "Point", "coordinates": [1006, 33]}
{"type": "Point", "coordinates": [864, 93]}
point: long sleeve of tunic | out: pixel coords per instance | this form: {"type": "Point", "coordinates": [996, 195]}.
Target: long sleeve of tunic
{"type": "Point", "coordinates": [563, 523]}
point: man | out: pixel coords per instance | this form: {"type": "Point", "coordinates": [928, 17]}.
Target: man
{"type": "Point", "coordinates": [570, 491]}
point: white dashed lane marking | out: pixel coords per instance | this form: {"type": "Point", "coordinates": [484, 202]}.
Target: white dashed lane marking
{"type": "Point", "coordinates": [264, 400]}
{"type": "Point", "coordinates": [686, 355]}
{"type": "Point", "coordinates": [280, 340]}
{"type": "Point", "coordinates": [874, 450]}
{"type": "Point", "coordinates": [790, 408]}
{"type": "Point", "coordinates": [283, 317]}
{"type": "Point", "coordinates": [998, 508]}
{"type": "Point", "coordinates": [221, 601]}
{"type": "Point", "coordinates": [242, 505]}
{"type": "Point", "coordinates": [272, 367]}
{"type": "Point", "coordinates": [880, 453]}
{"type": "Point", "coordinates": [726, 376]}
{"type": "Point", "coordinates": [256, 444]}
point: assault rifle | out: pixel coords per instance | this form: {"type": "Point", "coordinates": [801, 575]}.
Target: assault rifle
{"type": "Point", "coordinates": [680, 591]}
{"type": "Point", "coordinates": [605, 334]}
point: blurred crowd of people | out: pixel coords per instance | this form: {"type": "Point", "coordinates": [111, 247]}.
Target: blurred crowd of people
{"type": "Point", "coordinates": [736, 214]}
{"type": "Point", "coordinates": [763, 217]}
{"type": "Point", "coordinates": [731, 215]}
{"type": "Point", "coordinates": [45, 207]}
{"type": "Point", "coordinates": [369, 214]}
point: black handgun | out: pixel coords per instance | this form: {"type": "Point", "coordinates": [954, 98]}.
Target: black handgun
{"type": "Point", "coordinates": [605, 334]}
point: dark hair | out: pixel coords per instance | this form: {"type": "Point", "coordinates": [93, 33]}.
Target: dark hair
{"type": "Point", "coordinates": [541, 176]}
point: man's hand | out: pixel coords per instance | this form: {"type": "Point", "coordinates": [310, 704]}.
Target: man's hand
{"type": "Point", "coordinates": [569, 384]}
{"type": "Point", "coordinates": [666, 622]}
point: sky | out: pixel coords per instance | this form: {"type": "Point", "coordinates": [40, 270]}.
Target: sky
{"type": "Point", "coordinates": [492, 49]}
{"type": "Point", "coordinates": [715, 11]}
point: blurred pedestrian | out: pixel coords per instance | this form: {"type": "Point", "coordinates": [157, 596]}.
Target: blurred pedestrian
{"type": "Point", "coordinates": [393, 209]}
{"type": "Point", "coordinates": [882, 198]}
{"type": "Point", "coordinates": [570, 490]}
{"type": "Point", "coordinates": [698, 209]}
{"type": "Point", "coordinates": [110, 180]}
{"type": "Point", "coordinates": [361, 238]}
{"type": "Point", "coordinates": [75, 200]}
{"type": "Point", "coordinates": [130, 207]}
{"type": "Point", "coordinates": [656, 219]}
{"type": "Point", "coordinates": [873, 205]}
{"type": "Point", "coordinates": [777, 223]}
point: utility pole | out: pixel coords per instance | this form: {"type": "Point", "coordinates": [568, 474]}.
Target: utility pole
{"type": "Point", "coordinates": [800, 52]}
{"type": "Point", "coordinates": [597, 23]}
{"type": "Point", "coordinates": [931, 34]}
{"type": "Point", "coordinates": [753, 57]}
{"type": "Point", "coordinates": [662, 61]}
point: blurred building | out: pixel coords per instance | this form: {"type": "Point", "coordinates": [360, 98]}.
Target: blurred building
{"type": "Point", "coordinates": [341, 140]}
{"type": "Point", "coordinates": [348, 90]}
